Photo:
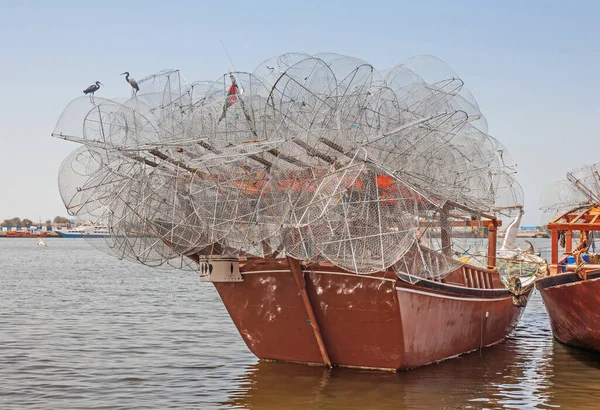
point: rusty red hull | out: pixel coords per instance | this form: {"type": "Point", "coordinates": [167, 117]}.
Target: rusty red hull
{"type": "Point", "coordinates": [21, 234]}
{"type": "Point", "coordinates": [375, 322]}
{"type": "Point", "coordinates": [573, 306]}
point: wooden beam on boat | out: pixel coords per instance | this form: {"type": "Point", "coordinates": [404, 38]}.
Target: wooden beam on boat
{"type": "Point", "coordinates": [260, 160]}
{"type": "Point", "coordinates": [312, 151]}
{"type": "Point", "coordinates": [267, 250]}
{"type": "Point", "coordinates": [492, 236]}
{"type": "Point", "coordinates": [158, 154]}
{"type": "Point", "coordinates": [554, 246]}
{"type": "Point", "coordinates": [301, 282]}
{"type": "Point", "coordinates": [574, 226]}
{"type": "Point", "coordinates": [478, 223]}
{"type": "Point", "coordinates": [585, 216]}
{"type": "Point", "coordinates": [208, 147]}
{"type": "Point", "coordinates": [446, 232]}
{"type": "Point", "coordinates": [570, 211]}
{"type": "Point", "coordinates": [333, 145]}
{"type": "Point", "coordinates": [575, 218]}
{"type": "Point", "coordinates": [278, 154]}
{"type": "Point", "coordinates": [569, 242]}
{"type": "Point", "coordinates": [581, 245]}
{"type": "Point", "coordinates": [165, 157]}
{"type": "Point", "coordinates": [452, 204]}
{"type": "Point", "coordinates": [144, 160]}
{"type": "Point", "coordinates": [256, 158]}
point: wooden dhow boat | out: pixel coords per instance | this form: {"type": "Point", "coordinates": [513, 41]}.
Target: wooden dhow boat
{"type": "Point", "coordinates": [346, 217]}
{"type": "Point", "coordinates": [316, 313]}
{"type": "Point", "coordinates": [571, 290]}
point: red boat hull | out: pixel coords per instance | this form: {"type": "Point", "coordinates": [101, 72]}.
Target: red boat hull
{"type": "Point", "coordinates": [21, 234]}
{"type": "Point", "coordinates": [373, 321]}
{"type": "Point", "coordinates": [573, 308]}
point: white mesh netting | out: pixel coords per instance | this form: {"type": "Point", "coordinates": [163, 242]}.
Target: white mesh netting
{"type": "Point", "coordinates": [581, 188]}
{"type": "Point", "coordinates": [320, 157]}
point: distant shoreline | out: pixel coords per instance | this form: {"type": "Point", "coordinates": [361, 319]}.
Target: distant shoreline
{"type": "Point", "coordinates": [47, 234]}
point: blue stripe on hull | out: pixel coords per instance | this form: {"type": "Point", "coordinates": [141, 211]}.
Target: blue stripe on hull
{"type": "Point", "coordinates": [79, 235]}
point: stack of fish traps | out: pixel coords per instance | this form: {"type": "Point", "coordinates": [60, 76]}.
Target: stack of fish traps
{"type": "Point", "coordinates": [320, 157]}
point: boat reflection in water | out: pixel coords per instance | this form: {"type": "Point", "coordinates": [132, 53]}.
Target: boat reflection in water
{"type": "Point", "coordinates": [574, 377]}
{"type": "Point", "coordinates": [529, 370]}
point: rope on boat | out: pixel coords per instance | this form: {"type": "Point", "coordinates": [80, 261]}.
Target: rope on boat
{"type": "Point", "coordinates": [580, 263]}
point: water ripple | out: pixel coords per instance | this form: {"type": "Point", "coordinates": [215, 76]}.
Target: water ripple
{"type": "Point", "coordinates": [81, 330]}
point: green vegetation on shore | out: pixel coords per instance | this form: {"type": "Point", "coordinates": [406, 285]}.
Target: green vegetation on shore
{"type": "Point", "coordinates": [16, 221]}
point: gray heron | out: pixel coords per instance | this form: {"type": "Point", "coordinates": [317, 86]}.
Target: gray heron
{"type": "Point", "coordinates": [131, 82]}
{"type": "Point", "coordinates": [92, 89]}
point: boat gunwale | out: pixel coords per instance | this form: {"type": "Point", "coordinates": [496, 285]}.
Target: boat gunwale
{"type": "Point", "coordinates": [445, 288]}
{"type": "Point", "coordinates": [430, 285]}
{"type": "Point", "coordinates": [565, 278]}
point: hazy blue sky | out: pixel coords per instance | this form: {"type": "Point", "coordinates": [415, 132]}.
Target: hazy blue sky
{"type": "Point", "coordinates": [533, 66]}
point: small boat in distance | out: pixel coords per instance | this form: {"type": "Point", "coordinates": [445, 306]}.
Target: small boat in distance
{"type": "Point", "coordinates": [571, 290]}
{"type": "Point", "coordinates": [26, 234]}
{"type": "Point", "coordinates": [85, 231]}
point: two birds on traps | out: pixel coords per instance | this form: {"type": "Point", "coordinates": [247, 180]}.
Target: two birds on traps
{"type": "Point", "coordinates": [96, 86]}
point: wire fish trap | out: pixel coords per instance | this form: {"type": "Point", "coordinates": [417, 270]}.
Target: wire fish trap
{"type": "Point", "coordinates": [321, 157]}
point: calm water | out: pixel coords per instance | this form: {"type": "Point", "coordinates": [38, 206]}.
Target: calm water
{"type": "Point", "coordinates": [79, 329]}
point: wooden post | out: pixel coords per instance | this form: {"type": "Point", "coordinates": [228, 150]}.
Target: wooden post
{"type": "Point", "coordinates": [267, 250]}
{"type": "Point", "coordinates": [569, 241]}
{"type": "Point", "coordinates": [492, 230]}
{"type": "Point", "coordinates": [554, 239]}
{"type": "Point", "coordinates": [445, 231]}
{"type": "Point", "coordinates": [301, 282]}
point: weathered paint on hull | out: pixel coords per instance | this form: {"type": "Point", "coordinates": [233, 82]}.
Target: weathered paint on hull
{"type": "Point", "coordinates": [373, 322]}
{"type": "Point", "coordinates": [573, 308]}
{"type": "Point", "coordinates": [438, 326]}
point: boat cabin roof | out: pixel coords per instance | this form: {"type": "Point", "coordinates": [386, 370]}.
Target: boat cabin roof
{"type": "Point", "coordinates": [584, 218]}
